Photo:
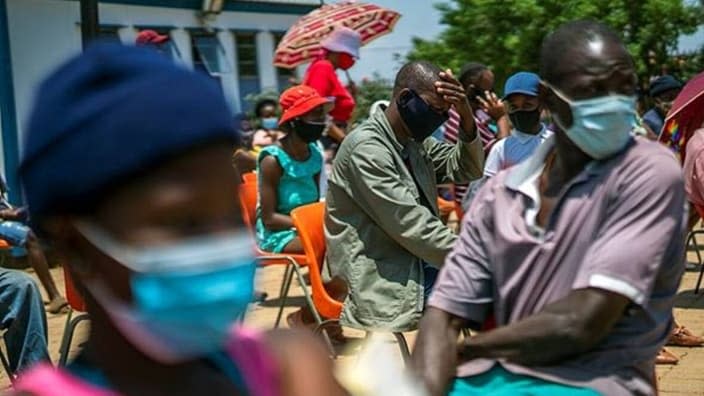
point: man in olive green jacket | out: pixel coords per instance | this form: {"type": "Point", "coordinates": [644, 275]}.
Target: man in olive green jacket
{"type": "Point", "coordinates": [382, 227]}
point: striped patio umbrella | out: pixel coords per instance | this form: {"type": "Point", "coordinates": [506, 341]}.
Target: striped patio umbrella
{"type": "Point", "coordinates": [302, 41]}
{"type": "Point", "coordinates": [686, 116]}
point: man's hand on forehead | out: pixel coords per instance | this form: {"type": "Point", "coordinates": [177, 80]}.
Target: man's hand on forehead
{"type": "Point", "coordinates": [453, 93]}
{"type": "Point", "coordinates": [450, 89]}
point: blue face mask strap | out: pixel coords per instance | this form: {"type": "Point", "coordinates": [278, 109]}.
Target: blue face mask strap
{"type": "Point", "coordinates": [557, 92]}
{"type": "Point", "coordinates": [105, 243]}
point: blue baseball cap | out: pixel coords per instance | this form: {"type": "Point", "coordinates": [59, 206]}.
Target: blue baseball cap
{"type": "Point", "coordinates": [522, 83]}
{"type": "Point", "coordinates": [110, 113]}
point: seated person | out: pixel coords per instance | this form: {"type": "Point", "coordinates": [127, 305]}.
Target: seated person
{"type": "Point", "coordinates": [265, 134]}
{"type": "Point", "coordinates": [17, 234]}
{"type": "Point", "coordinates": [663, 90]}
{"type": "Point", "coordinates": [268, 132]}
{"type": "Point", "coordinates": [289, 177]}
{"type": "Point", "coordinates": [576, 252]}
{"type": "Point", "coordinates": [154, 239]}
{"type": "Point", "coordinates": [527, 133]}
{"type": "Point", "coordinates": [23, 320]}
{"type": "Point", "coordinates": [289, 171]}
{"type": "Point", "coordinates": [384, 236]}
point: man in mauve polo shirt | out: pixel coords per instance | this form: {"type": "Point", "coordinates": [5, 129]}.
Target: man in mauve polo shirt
{"type": "Point", "coordinates": [577, 252]}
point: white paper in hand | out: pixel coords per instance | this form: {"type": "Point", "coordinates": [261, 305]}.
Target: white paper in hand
{"type": "Point", "coordinates": [379, 371]}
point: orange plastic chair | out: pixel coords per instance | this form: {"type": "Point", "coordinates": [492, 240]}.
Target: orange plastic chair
{"type": "Point", "coordinates": [4, 247]}
{"type": "Point", "coordinates": [308, 220]}
{"type": "Point", "coordinates": [445, 206]}
{"type": "Point", "coordinates": [76, 303]}
{"type": "Point", "coordinates": [249, 177]}
{"type": "Point", "coordinates": [294, 262]}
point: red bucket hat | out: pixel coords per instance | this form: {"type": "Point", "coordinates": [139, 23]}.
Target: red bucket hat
{"type": "Point", "coordinates": [299, 100]}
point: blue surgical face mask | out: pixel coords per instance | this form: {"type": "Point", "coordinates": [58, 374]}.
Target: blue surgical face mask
{"type": "Point", "coordinates": [186, 296]}
{"type": "Point", "coordinates": [270, 123]}
{"type": "Point", "coordinates": [601, 127]}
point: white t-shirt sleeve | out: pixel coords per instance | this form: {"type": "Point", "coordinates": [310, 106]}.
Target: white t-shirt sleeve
{"type": "Point", "coordinates": [492, 166]}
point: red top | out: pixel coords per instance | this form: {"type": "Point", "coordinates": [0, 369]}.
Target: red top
{"type": "Point", "coordinates": [321, 76]}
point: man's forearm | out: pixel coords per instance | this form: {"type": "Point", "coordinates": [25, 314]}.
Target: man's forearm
{"type": "Point", "coordinates": [470, 162]}
{"type": "Point", "coordinates": [435, 355]}
{"type": "Point", "coordinates": [336, 133]}
{"type": "Point", "coordinates": [562, 329]}
{"type": "Point", "coordinates": [539, 339]}
{"type": "Point", "coordinates": [503, 127]}
{"type": "Point", "coordinates": [468, 129]}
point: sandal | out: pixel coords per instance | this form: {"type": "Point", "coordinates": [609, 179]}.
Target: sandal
{"type": "Point", "coordinates": [682, 336]}
{"type": "Point", "coordinates": [666, 357]}
{"type": "Point", "coordinates": [334, 331]}
{"type": "Point", "coordinates": [58, 305]}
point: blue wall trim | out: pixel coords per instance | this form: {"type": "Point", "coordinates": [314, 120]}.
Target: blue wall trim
{"type": "Point", "coordinates": [264, 7]}
{"type": "Point", "coordinates": [10, 141]}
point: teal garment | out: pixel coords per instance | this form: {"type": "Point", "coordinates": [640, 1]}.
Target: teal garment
{"type": "Point", "coordinates": [298, 186]}
{"type": "Point", "coordinates": [500, 382]}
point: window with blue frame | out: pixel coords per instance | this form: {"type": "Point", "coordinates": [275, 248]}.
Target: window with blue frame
{"type": "Point", "coordinates": [208, 55]}
{"type": "Point", "coordinates": [247, 67]}
{"type": "Point", "coordinates": [285, 77]}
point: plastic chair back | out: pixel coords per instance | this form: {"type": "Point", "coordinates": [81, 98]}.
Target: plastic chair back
{"type": "Point", "coordinates": [74, 298]}
{"type": "Point", "coordinates": [249, 177]}
{"type": "Point", "coordinates": [248, 203]}
{"type": "Point", "coordinates": [308, 220]}
{"type": "Point", "coordinates": [445, 206]}
{"type": "Point", "coordinates": [248, 195]}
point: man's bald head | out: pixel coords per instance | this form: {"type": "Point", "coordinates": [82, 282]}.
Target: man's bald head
{"type": "Point", "coordinates": [419, 76]}
{"type": "Point", "coordinates": [582, 47]}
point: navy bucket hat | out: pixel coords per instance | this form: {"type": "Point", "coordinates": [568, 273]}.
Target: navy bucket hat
{"type": "Point", "coordinates": [109, 113]}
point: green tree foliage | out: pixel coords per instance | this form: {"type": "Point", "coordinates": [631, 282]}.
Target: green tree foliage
{"type": "Point", "coordinates": [507, 34]}
{"type": "Point", "coordinates": [368, 92]}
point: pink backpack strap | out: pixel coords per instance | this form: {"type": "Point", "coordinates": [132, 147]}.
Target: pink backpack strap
{"type": "Point", "coordinates": [46, 380]}
{"type": "Point", "coordinates": [257, 366]}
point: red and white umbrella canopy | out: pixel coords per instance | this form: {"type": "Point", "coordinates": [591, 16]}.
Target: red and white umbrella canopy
{"type": "Point", "coordinates": [302, 41]}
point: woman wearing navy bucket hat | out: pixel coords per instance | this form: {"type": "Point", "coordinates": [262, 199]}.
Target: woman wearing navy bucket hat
{"type": "Point", "coordinates": [126, 169]}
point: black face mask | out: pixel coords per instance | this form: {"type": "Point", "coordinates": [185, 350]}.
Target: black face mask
{"type": "Point", "coordinates": [420, 119]}
{"type": "Point", "coordinates": [525, 121]}
{"type": "Point", "coordinates": [309, 132]}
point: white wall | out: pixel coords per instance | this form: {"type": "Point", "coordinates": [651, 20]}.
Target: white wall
{"type": "Point", "coordinates": [43, 33]}
{"type": "Point", "coordinates": [265, 61]}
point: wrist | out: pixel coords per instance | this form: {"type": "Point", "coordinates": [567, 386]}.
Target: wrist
{"type": "Point", "coordinates": [465, 110]}
{"type": "Point", "coordinates": [498, 116]}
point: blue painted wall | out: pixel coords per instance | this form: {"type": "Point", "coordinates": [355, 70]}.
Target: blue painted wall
{"type": "Point", "coordinates": [10, 144]}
